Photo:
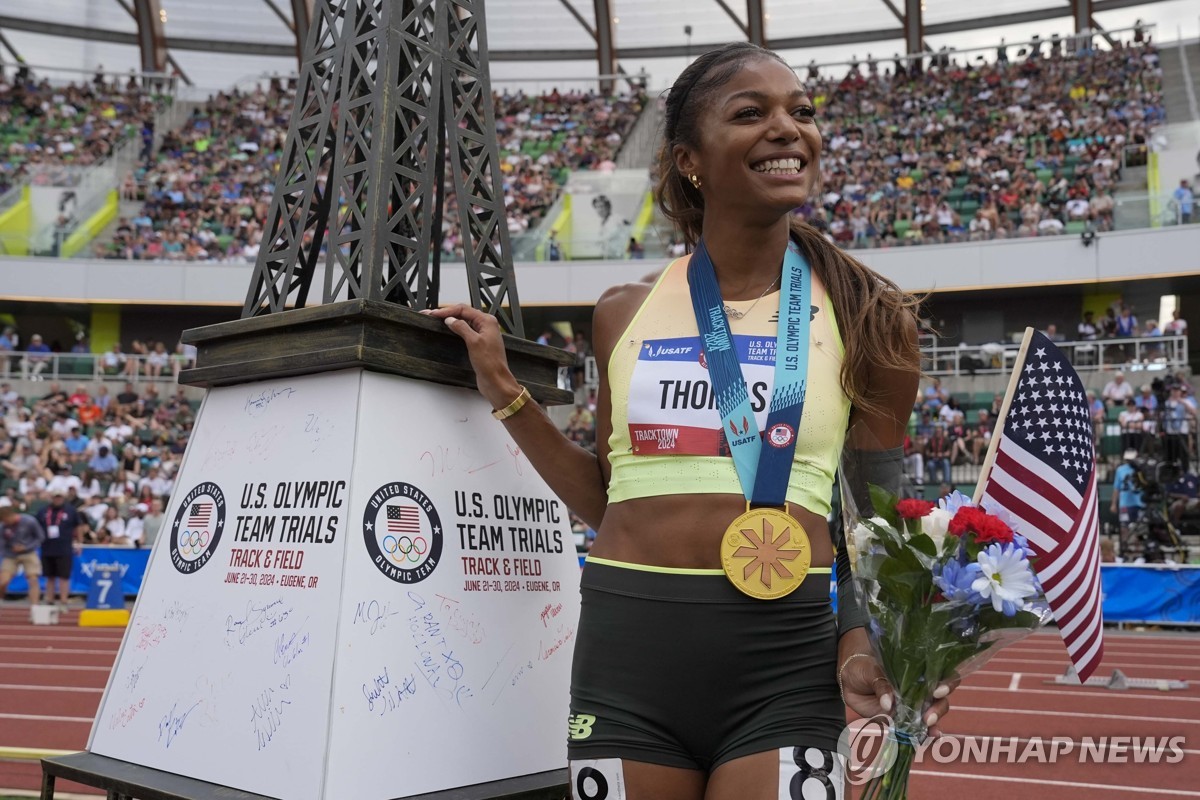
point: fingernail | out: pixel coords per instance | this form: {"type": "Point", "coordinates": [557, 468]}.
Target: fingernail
{"type": "Point", "coordinates": [931, 718]}
{"type": "Point", "coordinates": [885, 702]}
{"type": "Point", "coordinates": [426, 311]}
{"type": "Point", "coordinates": [941, 691]}
{"type": "Point", "coordinates": [451, 320]}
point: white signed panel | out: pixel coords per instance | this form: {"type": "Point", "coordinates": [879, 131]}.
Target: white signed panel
{"type": "Point", "coordinates": [460, 606]}
{"type": "Point", "coordinates": [361, 569]}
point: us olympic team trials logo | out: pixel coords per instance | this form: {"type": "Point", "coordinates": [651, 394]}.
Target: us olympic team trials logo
{"type": "Point", "coordinates": [199, 521]}
{"type": "Point", "coordinates": [403, 532]}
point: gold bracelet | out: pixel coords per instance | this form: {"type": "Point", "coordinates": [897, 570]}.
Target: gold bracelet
{"type": "Point", "coordinates": [513, 407]}
{"type": "Point", "coordinates": [842, 669]}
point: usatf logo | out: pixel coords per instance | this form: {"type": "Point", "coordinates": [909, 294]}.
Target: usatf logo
{"type": "Point", "coordinates": [403, 532]}
{"type": "Point", "coordinates": [197, 529]}
{"type": "Point", "coordinates": [579, 726]}
{"type": "Point", "coordinates": [781, 435]}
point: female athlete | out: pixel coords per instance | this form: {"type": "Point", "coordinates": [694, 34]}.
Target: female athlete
{"type": "Point", "coordinates": [708, 663]}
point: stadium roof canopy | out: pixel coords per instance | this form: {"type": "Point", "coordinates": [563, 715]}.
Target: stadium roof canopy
{"type": "Point", "coordinates": [216, 43]}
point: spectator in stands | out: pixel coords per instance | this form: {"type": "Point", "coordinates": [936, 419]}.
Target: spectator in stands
{"type": "Point", "coordinates": [104, 462]}
{"type": "Point", "coordinates": [1178, 417]}
{"type": "Point", "coordinates": [1184, 202]}
{"type": "Point", "coordinates": [935, 396]}
{"type": "Point", "coordinates": [127, 397]}
{"type": "Point", "coordinates": [937, 457]}
{"type": "Point", "coordinates": [981, 434]}
{"type": "Point", "coordinates": [1117, 391]}
{"type": "Point", "coordinates": [1127, 323]}
{"type": "Point", "coordinates": [37, 357]}
{"type": "Point", "coordinates": [1177, 326]}
{"type": "Point", "coordinates": [20, 537]}
{"type": "Point", "coordinates": [152, 522]}
{"type": "Point", "coordinates": [1132, 420]}
{"type": "Point", "coordinates": [157, 360]}
{"type": "Point", "coordinates": [113, 362]}
{"type": "Point", "coordinates": [1087, 330]}
{"type": "Point", "coordinates": [1146, 400]}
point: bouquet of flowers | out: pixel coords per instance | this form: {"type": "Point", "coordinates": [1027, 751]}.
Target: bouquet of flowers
{"type": "Point", "coordinates": [944, 587]}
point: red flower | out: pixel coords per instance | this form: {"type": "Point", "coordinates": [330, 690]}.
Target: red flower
{"type": "Point", "coordinates": [994, 530]}
{"type": "Point", "coordinates": [913, 508]}
{"type": "Point", "coordinates": [967, 519]}
{"type": "Point", "coordinates": [985, 527]}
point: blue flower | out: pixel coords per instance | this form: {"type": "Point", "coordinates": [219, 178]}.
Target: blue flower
{"type": "Point", "coordinates": [954, 501]}
{"type": "Point", "coordinates": [955, 580]}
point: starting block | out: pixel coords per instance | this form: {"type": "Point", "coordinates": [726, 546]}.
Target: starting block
{"type": "Point", "coordinates": [1118, 681]}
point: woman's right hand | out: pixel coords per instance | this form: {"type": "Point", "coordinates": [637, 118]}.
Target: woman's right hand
{"type": "Point", "coordinates": [481, 333]}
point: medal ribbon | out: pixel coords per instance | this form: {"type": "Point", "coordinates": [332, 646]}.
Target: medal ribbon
{"type": "Point", "coordinates": [762, 471]}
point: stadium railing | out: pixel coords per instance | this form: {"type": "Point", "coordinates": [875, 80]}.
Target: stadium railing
{"type": "Point", "coordinates": [86, 366]}
{"type": "Point", "coordinates": [1156, 353]}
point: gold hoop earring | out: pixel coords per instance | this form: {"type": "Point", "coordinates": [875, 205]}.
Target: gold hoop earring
{"type": "Point", "coordinates": [695, 179]}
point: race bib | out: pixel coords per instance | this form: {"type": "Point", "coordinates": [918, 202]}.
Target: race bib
{"type": "Point", "coordinates": [672, 406]}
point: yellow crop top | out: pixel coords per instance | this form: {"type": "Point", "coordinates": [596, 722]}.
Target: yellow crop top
{"type": "Point", "coordinates": [666, 432]}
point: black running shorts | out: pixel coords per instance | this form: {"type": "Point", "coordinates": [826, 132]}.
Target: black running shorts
{"type": "Point", "coordinates": [686, 671]}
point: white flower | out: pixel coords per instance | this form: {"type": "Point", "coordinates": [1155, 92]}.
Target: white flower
{"type": "Point", "coordinates": [936, 524]}
{"type": "Point", "coordinates": [861, 539]}
{"type": "Point", "coordinates": [1007, 579]}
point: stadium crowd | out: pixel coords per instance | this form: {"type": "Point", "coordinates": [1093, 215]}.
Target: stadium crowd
{"type": "Point", "coordinates": [208, 188]}
{"type": "Point", "coordinates": [111, 456]}
{"type": "Point", "coordinates": [44, 125]}
{"type": "Point", "coordinates": [957, 152]}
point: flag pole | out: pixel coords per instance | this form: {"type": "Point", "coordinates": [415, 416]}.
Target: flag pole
{"type": "Point", "coordinates": [990, 459]}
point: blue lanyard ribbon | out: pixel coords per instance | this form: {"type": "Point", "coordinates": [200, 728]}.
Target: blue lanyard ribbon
{"type": "Point", "coordinates": [763, 471]}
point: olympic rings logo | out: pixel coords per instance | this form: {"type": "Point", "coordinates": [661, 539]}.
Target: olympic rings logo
{"type": "Point", "coordinates": [193, 542]}
{"type": "Point", "coordinates": [405, 549]}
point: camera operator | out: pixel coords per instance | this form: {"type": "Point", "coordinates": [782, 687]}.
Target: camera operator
{"type": "Point", "coordinates": [1127, 500]}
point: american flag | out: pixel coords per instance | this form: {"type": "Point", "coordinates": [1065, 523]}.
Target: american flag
{"type": "Point", "coordinates": [200, 515]}
{"type": "Point", "coordinates": [1044, 474]}
{"type": "Point", "coordinates": [403, 519]}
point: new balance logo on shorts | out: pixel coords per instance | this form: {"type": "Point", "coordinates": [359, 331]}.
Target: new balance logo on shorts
{"type": "Point", "coordinates": [579, 726]}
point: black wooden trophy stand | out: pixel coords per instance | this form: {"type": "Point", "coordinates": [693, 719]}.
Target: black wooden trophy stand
{"type": "Point", "coordinates": [391, 92]}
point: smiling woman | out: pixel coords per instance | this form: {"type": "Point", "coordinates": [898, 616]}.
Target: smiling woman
{"type": "Point", "coordinates": [707, 662]}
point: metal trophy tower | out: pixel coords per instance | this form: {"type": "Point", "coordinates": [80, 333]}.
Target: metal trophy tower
{"type": "Point", "coordinates": [389, 94]}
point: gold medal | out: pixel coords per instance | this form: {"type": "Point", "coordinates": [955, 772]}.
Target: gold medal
{"type": "Point", "coordinates": [765, 553]}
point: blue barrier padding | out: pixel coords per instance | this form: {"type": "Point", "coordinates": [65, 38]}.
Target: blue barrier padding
{"type": "Point", "coordinates": [1151, 593]}
{"type": "Point", "coordinates": [130, 564]}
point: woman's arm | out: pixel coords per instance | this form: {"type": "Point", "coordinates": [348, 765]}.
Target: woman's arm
{"type": "Point", "coordinates": [578, 477]}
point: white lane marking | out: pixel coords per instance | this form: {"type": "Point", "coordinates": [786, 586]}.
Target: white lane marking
{"type": "Point", "coordinates": [1106, 663]}
{"type": "Point", "coordinates": [42, 718]}
{"type": "Point", "coordinates": [1090, 694]}
{"type": "Point", "coordinates": [1044, 782]}
{"type": "Point", "coordinates": [1014, 682]}
{"type": "Point", "coordinates": [53, 666]}
{"type": "Point", "coordinates": [1081, 715]}
{"type": "Point", "coordinates": [57, 651]}
{"type": "Point", "coordinates": [25, 687]}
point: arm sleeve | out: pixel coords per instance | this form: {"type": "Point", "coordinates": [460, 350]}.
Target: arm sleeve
{"type": "Point", "coordinates": [860, 468]}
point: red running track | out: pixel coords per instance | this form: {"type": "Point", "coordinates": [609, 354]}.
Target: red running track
{"type": "Point", "coordinates": [51, 679]}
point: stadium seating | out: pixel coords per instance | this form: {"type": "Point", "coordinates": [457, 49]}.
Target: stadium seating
{"type": "Point", "coordinates": [207, 192]}
{"type": "Point", "coordinates": [957, 153]}
{"type": "Point", "coordinates": [45, 126]}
